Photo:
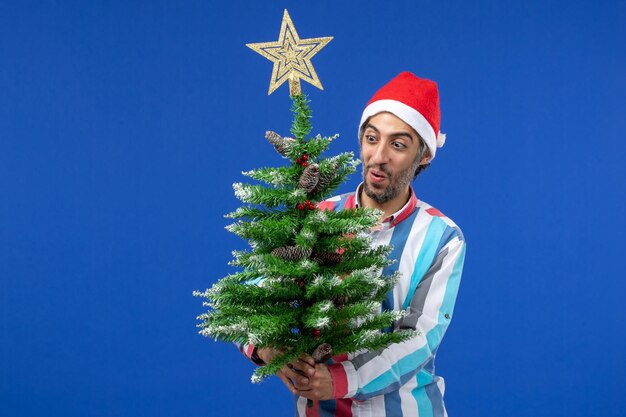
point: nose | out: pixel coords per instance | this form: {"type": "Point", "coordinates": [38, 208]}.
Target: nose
{"type": "Point", "coordinates": [380, 154]}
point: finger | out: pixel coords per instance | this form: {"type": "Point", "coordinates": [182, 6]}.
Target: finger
{"type": "Point", "coordinates": [302, 385]}
{"type": "Point", "coordinates": [287, 382]}
{"type": "Point", "coordinates": [306, 394]}
{"type": "Point", "coordinates": [309, 394]}
{"type": "Point", "coordinates": [295, 376]}
{"type": "Point", "coordinates": [304, 367]}
{"type": "Point", "coordinates": [308, 359]}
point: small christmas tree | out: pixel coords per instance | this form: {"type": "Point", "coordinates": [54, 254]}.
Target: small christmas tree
{"type": "Point", "coordinates": [310, 284]}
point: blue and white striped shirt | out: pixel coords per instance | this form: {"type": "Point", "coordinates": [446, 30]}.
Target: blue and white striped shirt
{"type": "Point", "coordinates": [429, 250]}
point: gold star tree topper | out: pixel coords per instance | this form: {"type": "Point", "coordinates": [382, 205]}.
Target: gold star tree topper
{"type": "Point", "coordinates": [291, 57]}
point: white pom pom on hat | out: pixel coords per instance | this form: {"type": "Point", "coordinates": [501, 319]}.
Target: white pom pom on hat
{"type": "Point", "coordinates": [441, 140]}
{"type": "Point", "coordinates": [414, 100]}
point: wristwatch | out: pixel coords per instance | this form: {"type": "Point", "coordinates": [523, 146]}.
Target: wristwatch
{"type": "Point", "coordinates": [255, 358]}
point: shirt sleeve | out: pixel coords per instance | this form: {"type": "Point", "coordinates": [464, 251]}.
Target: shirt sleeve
{"type": "Point", "coordinates": [429, 313]}
{"type": "Point", "coordinates": [248, 352]}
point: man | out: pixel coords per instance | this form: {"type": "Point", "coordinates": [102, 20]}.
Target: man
{"type": "Point", "coordinates": [398, 136]}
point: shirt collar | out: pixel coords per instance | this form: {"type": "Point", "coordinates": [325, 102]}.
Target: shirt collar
{"type": "Point", "coordinates": [396, 217]}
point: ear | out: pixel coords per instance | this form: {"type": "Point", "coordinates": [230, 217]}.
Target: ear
{"type": "Point", "coordinates": [426, 159]}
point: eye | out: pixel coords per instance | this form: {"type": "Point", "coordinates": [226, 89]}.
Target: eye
{"type": "Point", "coordinates": [370, 138]}
{"type": "Point", "coordinates": [399, 145]}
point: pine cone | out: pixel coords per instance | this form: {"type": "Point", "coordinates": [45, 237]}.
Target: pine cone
{"type": "Point", "coordinates": [326, 178]}
{"type": "Point", "coordinates": [328, 258]}
{"type": "Point", "coordinates": [341, 301]}
{"type": "Point", "coordinates": [322, 353]}
{"type": "Point", "coordinates": [309, 178]}
{"type": "Point", "coordinates": [292, 253]}
{"type": "Point", "coordinates": [281, 144]}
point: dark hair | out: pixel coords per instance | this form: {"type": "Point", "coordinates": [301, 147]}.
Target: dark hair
{"type": "Point", "coordinates": [422, 153]}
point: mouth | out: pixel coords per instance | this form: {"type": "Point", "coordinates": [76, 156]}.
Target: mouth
{"type": "Point", "coordinates": [376, 176]}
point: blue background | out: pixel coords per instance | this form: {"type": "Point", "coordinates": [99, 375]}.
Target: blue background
{"type": "Point", "coordinates": [124, 124]}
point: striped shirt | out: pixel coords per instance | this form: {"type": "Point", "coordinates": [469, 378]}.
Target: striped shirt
{"type": "Point", "coordinates": [429, 250]}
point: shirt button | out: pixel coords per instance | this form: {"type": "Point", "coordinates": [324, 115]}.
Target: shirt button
{"type": "Point", "coordinates": [447, 316]}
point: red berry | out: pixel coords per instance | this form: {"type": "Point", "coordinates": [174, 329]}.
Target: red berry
{"type": "Point", "coordinates": [304, 164]}
{"type": "Point", "coordinates": [305, 157]}
{"type": "Point", "coordinates": [300, 206]}
{"type": "Point", "coordinates": [316, 333]}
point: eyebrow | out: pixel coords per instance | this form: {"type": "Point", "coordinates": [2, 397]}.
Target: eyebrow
{"type": "Point", "coordinates": [393, 135]}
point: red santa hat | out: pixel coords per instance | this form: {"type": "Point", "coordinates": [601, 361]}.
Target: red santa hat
{"type": "Point", "coordinates": [414, 100]}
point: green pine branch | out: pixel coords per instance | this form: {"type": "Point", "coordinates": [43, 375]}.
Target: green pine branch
{"type": "Point", "coordinates": [309, 276]}
{"type": "Point", "coordinates": [301, 125]}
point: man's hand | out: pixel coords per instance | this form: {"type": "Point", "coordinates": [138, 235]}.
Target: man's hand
{"type": "Point", "coordinates": [318, 386]}
{"type": "Point", "coordinates": [295, 373]}
{"type": "Point", "coordinates": [267, 354]}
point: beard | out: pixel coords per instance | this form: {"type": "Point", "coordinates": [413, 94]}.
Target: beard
{"type": "Point", "coordinates": [398, 182]}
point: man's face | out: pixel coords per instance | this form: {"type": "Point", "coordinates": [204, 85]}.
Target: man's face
{"type": "Point", "coordinates": [389, 150]}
